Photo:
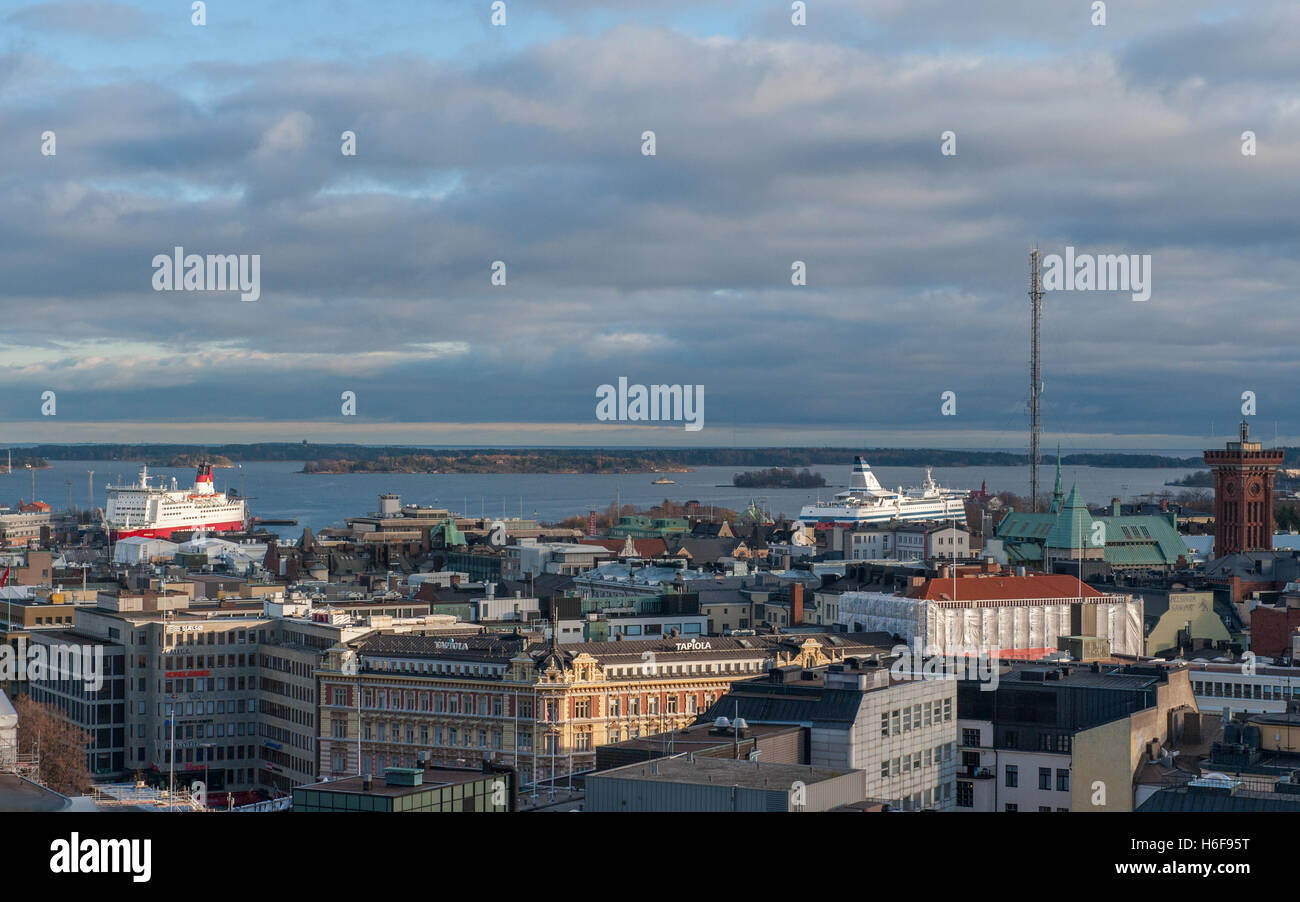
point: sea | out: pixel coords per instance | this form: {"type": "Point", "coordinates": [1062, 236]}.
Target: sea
{"type": "Point", "coordinates": [278, 490]}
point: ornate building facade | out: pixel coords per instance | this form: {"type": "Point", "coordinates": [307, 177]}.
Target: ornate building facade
{"type": "Point", "coordinates": [541, 707]}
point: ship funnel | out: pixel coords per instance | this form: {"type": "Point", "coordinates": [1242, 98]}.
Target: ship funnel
{"type": "Point", "coordinates": [203, 480]}
{"type": "Point", "coordinates": [862, 477]}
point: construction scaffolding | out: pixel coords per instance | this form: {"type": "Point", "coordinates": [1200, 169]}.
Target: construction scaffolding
{"type": "Point", "coordinates": [139, 795]}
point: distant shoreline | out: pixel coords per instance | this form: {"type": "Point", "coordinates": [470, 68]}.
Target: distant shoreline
{"type": "Point", "coordinates": [335, 459]}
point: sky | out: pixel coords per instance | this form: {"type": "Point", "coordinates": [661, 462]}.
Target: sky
{"type": "Point", "coordinates": [522, 143]}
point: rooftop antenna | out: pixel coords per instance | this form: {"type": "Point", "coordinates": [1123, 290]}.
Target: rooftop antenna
{"type": "Point", "coordinates": [1035, 378]}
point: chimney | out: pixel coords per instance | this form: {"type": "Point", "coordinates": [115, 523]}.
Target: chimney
{"type": "Point", "coordinates": [796, 604]}
{"type": "Point", "coordinates": [1114, 507]}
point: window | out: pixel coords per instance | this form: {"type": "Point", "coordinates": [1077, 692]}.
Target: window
{"type": "Point", "coordinates": [1013, 776]}
{"type": "Point", "coordinates": [1044, 778]}
{"type": "Point", "coordinates": [1062, 781]}
{"type": "Point", "coordinates": [1011, 807]}
{"type": "Point", "coordinates": [965, 794]}
{"type": "Point", "coordinates": [970, 737]}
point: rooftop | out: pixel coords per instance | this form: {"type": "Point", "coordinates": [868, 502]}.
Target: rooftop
{"type": "Point", "coordinates": [725, 771]}
{"type": "Point", "coordinates": [432, 778]}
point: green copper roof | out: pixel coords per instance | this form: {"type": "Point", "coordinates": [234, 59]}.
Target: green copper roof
{"type": "Point", "coordinates": [1073, 528]}
{"type": "Point", "coordinates": [1136, 540]}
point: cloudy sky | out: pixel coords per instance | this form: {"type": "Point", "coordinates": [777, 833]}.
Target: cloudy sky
{"type": "Point", "coordinates": [522, 143]}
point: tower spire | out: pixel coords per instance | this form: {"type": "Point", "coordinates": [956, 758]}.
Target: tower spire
{"type": "Point", "coordinates": [1058, 492]}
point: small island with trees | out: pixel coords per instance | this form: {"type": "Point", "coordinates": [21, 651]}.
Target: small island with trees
{"type": "Point", "coordinates": [778, 478]}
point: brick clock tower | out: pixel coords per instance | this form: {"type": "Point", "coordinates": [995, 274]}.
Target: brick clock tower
{"type": "Point", "coordinates": [1243, 495]}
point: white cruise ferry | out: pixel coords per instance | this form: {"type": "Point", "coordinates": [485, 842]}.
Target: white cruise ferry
{"type": "Point", "coordinates": [866, 501]}
{"type": "Point", "coordinates": [156, 512]}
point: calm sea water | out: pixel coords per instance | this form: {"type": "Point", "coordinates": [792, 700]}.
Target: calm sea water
{"type": "Point", "coordinates": [276, 490]}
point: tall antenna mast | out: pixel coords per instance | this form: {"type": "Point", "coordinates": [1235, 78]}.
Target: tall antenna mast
{"type": "Point", "coordinates": [1035, 377]}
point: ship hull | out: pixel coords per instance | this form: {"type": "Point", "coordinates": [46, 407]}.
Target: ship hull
{"type": "Point", "coordinates": [166, 532]}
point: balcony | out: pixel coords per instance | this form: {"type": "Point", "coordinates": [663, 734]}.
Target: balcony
{"type": "Point", "coordinates": [975, 773]}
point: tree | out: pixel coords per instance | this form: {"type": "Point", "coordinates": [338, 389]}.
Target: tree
{"type": "Point", "coordinates": [62, 746]}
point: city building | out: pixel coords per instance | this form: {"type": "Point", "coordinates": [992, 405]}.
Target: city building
{"type": "Point", "coordinates": [1070, 538]}
{"type": "Point", "coordinates": [978, 609]}
{"type": "Point", "coordinates": [902, 542]}
{"type": "Point", "coordinates": [101, 711]}
{"type": "Point", "coordinates": [607, 618]}
{"type": "Point", "coordinates": [239, 677]}
{"type": "Point", "coordinates": [530, 559]}
{"type": "Point", "coordinates": [427, 789]}
{"type": "Point", "coordinates": [639, 527]}
{"type": "Point", "coordinates": [779, 743]}
{"type": "Point", "coordinates": [688, 783]}
{"type": "Point", "coordinates": [542, 706]}
{"type": "Point", "coordinates": [1223, 794]}
{"type": "Point", "coordinates": [899, 729]}
{"type": "Point", "coordinates": [1243, 494]}
{"type": "Point", "coordinates": [1067, 737]}
{"type": "Point", "coordinates": [1245, 686]}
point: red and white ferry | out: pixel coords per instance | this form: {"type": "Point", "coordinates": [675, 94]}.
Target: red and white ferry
{"type": "Point", "coordinates": [156, 512]}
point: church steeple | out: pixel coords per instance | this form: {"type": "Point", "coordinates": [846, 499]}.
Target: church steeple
{"type": "Point", "coordinates": [1057, 493]}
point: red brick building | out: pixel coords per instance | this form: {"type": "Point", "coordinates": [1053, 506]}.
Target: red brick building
{"type": "Point", "coordinates": [1243, 495]}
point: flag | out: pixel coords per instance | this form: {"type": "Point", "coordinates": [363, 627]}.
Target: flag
{"type": "Point", "coordinates": [4, 580]}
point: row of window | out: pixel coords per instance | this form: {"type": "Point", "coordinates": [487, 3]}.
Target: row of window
{"type": "Point", "coordinates": [904, 720]}
{"type": "Point", "coordinates": [927, 798]}
{"type": "Point", "coordinates": [191, 709]}
{"type": "Point", "coordinates": [203, 684]}
{"type": "Point", "coordinates": [213, 637]}
{"type": "Point", "coordinates": [436, 667]}
{"type": "Point", "coordinates": [1263, 691]}
{"type": "Point", "coordinates": [1012, 774]}
{"type": "Point", "coordinates": [893, 767]}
